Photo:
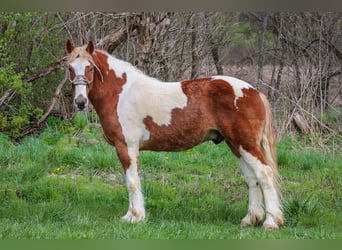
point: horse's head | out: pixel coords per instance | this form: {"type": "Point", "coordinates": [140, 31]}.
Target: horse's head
{"type": "Point", "coordinates": [81, 72]}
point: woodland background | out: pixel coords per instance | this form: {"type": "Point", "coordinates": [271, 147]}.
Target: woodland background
{"type": "Point", "coordinates": [294, 58]}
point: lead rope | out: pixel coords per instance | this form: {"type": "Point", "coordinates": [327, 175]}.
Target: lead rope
{"type": "Point", "coordinates": [98, 70]}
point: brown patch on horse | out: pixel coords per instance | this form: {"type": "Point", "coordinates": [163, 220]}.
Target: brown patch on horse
{"type": "Point", "coordinates": [212, 102]}
{"type": "Point", "coordinates": [241, 124]}
{"type": "Point", "coordinates": [184, 131]}
{"type": "Point", "coordinates": [254, 111]}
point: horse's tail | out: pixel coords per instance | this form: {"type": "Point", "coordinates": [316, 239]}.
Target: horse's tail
{"type": "Point", "coordinates": [268, 142]}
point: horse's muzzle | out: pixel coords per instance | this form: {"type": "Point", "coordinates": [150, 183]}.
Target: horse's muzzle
{"type": "Point", "coordinates": [81, 102]}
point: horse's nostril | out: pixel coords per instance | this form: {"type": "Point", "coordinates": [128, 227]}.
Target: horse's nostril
{"type": "Point", "coordinates": [78, 101]}
{"type": "Point", "coordinates": [81, 102]}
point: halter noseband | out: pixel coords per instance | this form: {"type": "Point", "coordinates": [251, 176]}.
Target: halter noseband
{"type": "Point", "coordinates": [81, 80]}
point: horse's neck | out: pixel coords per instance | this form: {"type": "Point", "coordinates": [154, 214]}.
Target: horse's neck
{"type": "Point", "coordinates": [125, 74]}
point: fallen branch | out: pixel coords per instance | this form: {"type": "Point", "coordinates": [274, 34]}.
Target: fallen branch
{"type": "Point", "coordinates": [301, 124]}
{"type": "Point", "coordinates": [28, 131]}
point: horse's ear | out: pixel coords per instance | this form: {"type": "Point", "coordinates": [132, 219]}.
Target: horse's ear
{"type": "Point", "coordinates": [90, 47]}
{"type": "Point", "coordinates": [69, 47]}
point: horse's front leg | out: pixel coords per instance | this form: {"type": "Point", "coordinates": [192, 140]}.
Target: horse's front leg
{"type": "Point", "coordinates": [136, 208]}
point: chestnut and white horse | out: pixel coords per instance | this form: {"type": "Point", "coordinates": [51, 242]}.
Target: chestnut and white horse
{"type": "Point", "coordinates": [138, 112]}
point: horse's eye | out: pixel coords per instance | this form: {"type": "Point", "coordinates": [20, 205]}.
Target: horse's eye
{"type": "Point", "coordinates": [91, 70]}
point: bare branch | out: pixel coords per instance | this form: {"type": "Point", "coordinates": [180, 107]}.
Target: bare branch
{"type": "Point", "coordinates": [54, 98]}
{"type": "Point", "coordinates": [51, 68]}
{"type": "Point", "coordinates": [7, 93]}
{"type": "Point", "coordinates": [110, 42]}
{"type": "Point", "coordinates": [330, 46]}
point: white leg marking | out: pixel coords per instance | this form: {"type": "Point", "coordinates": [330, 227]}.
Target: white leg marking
{"type": "Point", "coordinates": [136, 208]}
{"type": "Point", "coordinates": [265, 178]}
{"type": "Point", "coordinates": [255, 211]}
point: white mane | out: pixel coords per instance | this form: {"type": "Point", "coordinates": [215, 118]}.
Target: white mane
{"type": "Point", "coordinates": [120, 67]}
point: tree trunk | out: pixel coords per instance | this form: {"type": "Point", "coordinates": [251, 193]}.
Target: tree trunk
{"type": "Point", "coordinates": [262, 51]}
{"type": "Point", "coordinates": [215, 54]}
{"type": "Point", "coordinates": [195, 64]}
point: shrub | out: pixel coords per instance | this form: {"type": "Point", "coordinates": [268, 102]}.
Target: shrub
{"type": "Point", "coordinates": [302, 211]}
{"type": "Point", "coordinates": [17, 108]}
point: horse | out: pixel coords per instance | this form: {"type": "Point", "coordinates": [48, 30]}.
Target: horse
{"type": "Point", "coordinates": [138, 112]}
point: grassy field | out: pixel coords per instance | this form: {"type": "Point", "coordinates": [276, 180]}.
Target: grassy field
{"type": "Point", "coordinates": [67, 183]}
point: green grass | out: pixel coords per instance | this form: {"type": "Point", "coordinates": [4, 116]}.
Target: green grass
{"type": "Point", "coordinates": [59, 186]}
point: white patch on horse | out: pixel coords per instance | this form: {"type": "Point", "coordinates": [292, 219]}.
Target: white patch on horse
{"type": "Point", "coordinates": [80, 90]}
{"type": "Point", "coordinates": [79, 66]}
{"type": "Point", "coordinates": [237, 85]}
{"type": "Point", "coordinates": [120, 67]}
{"type": "Point", "coordinates": [143, 96]}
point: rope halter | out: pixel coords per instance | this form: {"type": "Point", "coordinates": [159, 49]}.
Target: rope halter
{"type": "Point", "coordinates": [83, 80]}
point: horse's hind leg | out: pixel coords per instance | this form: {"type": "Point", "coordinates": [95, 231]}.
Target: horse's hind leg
{"type": "Point", "coordinates": [264, 176]}
{"type": "Point", "coordinates": [255, 211]}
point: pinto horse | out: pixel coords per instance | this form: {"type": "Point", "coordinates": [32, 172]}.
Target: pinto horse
{"type": "Point", "coordinates": [138, 112]}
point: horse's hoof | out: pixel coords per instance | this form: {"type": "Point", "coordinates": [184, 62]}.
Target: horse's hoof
{"type": "Point", "coordinates": [133, 218]}
{"type": "Point", "coordinates": [272, 223]}
{"type": "Point", "coordinates": [270, 227]}
{"type": "Point", "coordinates": [245, 223]}
{"type": "Point", "coordinates": [252, 219]}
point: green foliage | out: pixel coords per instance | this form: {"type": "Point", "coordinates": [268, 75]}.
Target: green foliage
{"type": "Point", "coordinates": [15, 113]}
{"type": "Point", "coordinates": [26, 46]}
{"type": "Point", "coordinates": [293, 153]}
{"type": "Point", "coordinates": [80, 121]}
{"type": "Point", "coordinates": [9, 79]}
{"type": "Point", "coordinates": [303, 211]}
{"type": "Point", "coordinates": [25, 39]}
{"type": "Point", "coordinates": [244, 40]}
{"type": "Point", "coordinates": [243, 36]}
